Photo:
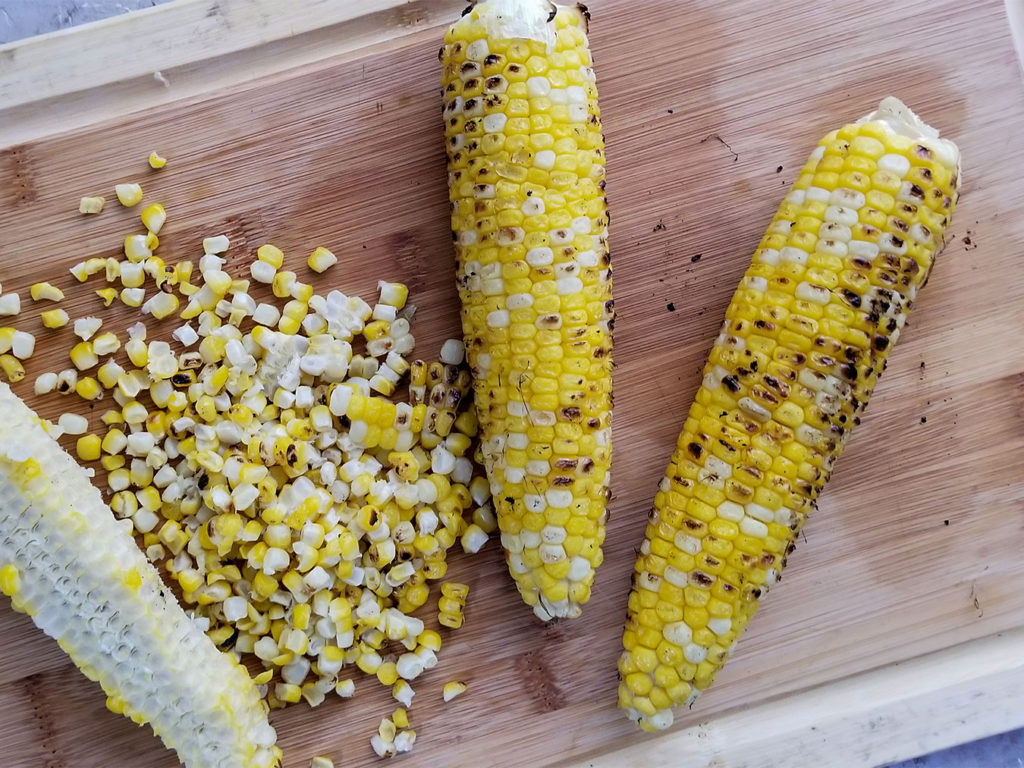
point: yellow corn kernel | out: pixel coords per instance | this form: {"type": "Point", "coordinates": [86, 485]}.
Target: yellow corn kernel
{"type": "Point", "coordinates": [453, 689]}
{"type": "Point", "coordinates": [91, 205]}
{"type": "Point", "coordinates": [108, 295]}
{"type": "Point", "coordinates": [54, 318]}
{"type": "Point", "coordinates": [133, 297]}
{"type": "Point", "coordinates": [12, 368]}
{"type": "Point", "coordinates": [88, 447]}
{"type": "Point", "coordinates": [156, 161]}
{"type": "Point", "coordinates": [153, 217]}
{"type": "Point", "coordinates": [83, 356]}
{"type": "Point", "coordinates": [136, 248]}
{"type": "Point", "coordinates": [321, 259]}
{"type": "Point", "coordinates": [88, 388]}
{"type": "Point", "coordinates": [270, 254]}
{"type": "Point", "coordinates": [128, 194]}
{"type": "Point", "coordinates": [46, 292]}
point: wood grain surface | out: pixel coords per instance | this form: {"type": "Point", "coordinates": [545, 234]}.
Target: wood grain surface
{"type": "Point", "coordinates": [913, 557]}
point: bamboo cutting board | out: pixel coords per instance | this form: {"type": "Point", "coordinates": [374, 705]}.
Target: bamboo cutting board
{"type": "Point", "coordinates": [898, 628]}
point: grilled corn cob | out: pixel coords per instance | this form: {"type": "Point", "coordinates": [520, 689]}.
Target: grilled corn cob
{"type": "Point", "coordinates": [77, 572]}
{"type": "Point", "coordinates": [805, 338]}
{"type": "Point", "coordinates": [529, 221]}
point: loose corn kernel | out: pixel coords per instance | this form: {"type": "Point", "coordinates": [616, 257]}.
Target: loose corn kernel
{"type": "Point", "coordinates": [88, 388]}
{"type": "Point", "coordinates": [133, 297]}
{"type": "Point", "coordinates": [83, 356]}
{"type": "Point", "coordinates": [393, 294]}
{"type": "Point", "coordinates": [10, 304]}
{"type": "Point", "coordinates": [161, 305]}
{"type": "Point", "coordinates": [153, 217]}
{"type": "Point", "coordinates": [108, 295]}
{"type": "Point", "coordinates": [12, 368]}
{"type": "Point", "coordinates": [321, 259]}
{"type": "Point", "coordinates": [270, 254]}
{"type": "Point", "coordinates": [156, 161]}
{"type": "Point", "coordinates": [46, 292]}
{"type": "Point", "coordinates": [105, 344]}
{"type": "Point", "coordinates": [321, 762]}
{"type": "Point", "coordinates": [216, 244]}
{"type": "Point", "coordinates": [54, 318]}
{"type": "Point", "coordinates": [453, 689]}
{"type": "Point", "coordinates": [128, 194]}
{"type": "Point", "coordinates": [91, 204]}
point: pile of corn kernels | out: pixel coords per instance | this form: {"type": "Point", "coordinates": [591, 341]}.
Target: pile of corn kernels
{"type": "Point", "coordinates": [267, 466]}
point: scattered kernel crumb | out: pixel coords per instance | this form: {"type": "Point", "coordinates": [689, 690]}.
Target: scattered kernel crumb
{"type": "Point", "coordinates": [696, 257]}
{"type": "Point", "coordinates": [91, 204]}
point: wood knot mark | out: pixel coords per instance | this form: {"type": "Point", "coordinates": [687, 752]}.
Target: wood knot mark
{"type": "Point", "coordinates": [17, 175]}
{"type": "Point", "coordinates": [539, 682]}
{"type": "Point", "coordinates": [411, 257]}
{"type": "Point", "coordinates": [35, 687]}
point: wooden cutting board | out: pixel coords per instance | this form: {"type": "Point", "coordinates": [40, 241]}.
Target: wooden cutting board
{"type": "Point", "coordinates": [898, 628]}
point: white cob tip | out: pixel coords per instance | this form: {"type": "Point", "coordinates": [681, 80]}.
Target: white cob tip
{"type": "Point", "coordinates": [901, 119]}
{"type": "Point", "coordinates": [518, 19]}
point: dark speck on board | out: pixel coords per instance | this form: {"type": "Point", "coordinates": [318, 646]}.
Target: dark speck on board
{"type": "Point", "coordinates": [924, 419]}
{"type": "Point", "coordinates": [671, 307]}
{"type": "Point", "coordinates": [778, 169]}
{"type": "Point", "coordinates": [695, 258]}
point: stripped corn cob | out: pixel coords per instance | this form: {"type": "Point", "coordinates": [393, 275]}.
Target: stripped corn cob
{"type": "Point", "coordinates": [526, 177]}
{"type": "Point", "coordinates": [805, 338]}
{"type": "Point", "coordinates": [66, 562]}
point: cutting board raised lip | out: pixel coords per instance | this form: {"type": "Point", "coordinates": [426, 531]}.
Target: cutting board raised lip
{"type": "Point", "coordinates": [933, 701]}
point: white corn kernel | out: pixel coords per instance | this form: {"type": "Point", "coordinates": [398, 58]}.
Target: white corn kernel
{"type": "Point", "coordinates": [10, 304]}
{"type": "Point", "coordinates": [73, 423]}
{"type": "Point", "coordinates": [128, 194]}
{"type": "Point", "coordinates": [216, 244]}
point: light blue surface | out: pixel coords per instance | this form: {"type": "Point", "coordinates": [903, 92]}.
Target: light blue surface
{"type": "Point", "coordinates": [24, 18]}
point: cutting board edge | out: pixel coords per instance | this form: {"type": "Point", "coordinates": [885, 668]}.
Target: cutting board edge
{"type": "Point", "coordinates": [914, 732]}
{"type": "Point", "coordinates": [969, 691]}
{"type": "Point", "coordinates": [203, 48]}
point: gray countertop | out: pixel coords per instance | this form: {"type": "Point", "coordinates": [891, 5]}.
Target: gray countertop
{"type": "Point", "coordinates": [24, 18]}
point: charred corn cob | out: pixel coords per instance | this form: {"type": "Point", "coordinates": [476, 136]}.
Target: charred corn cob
{"type": "Point", "coordinates": [78, 573]}
{"type": "Point", "coordinates": [805, 338]}
{"type": "Point", "coordinates": [529, 221]}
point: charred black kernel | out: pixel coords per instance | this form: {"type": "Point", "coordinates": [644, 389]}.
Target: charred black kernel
{"type": "Point", "coordinates": [849, 371]}
{"type": "Point", "coordinates": [881, 343]}
{"type": "Point", "coordinates": [732, 383]}
{"type": "Point", "coordinates": [916, 191]}
{"type": "Point", "coordinates": [702, 579]}
{"type": "Point", "coordinates": [492, 59]}
{"type": "Point", "coordinates": [922, 151]}
{"type": "Point", "coordinates": [561, 480]}
{"type": "Point", "coordinates": [860, 263]}
{"type": "Point", "coordinates": [572, 413]}
{"type": "Point", "coordinates": [203, 481]}
{"type": "Point", "coordinates": [695, 449]}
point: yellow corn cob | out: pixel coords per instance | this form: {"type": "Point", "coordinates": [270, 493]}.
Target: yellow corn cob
{"type": "Point", "coordinates": [526, 176]}
{"type": "Point", "coordinates": [66, 562]}
{"type": "Point", "coordinates": [805, 338]}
